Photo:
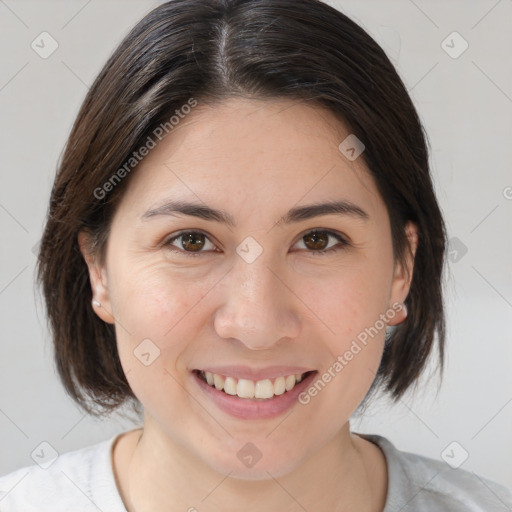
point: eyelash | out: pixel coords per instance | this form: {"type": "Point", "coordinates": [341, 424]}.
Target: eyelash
{"type": "Point", "coordinates": [337, 247]}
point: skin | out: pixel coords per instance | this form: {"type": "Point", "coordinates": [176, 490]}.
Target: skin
{"type": "Point", "coordinates": [254, 159]}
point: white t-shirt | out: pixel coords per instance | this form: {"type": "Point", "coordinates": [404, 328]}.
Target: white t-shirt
{"type": "Point", "coordinates": [83, 481]}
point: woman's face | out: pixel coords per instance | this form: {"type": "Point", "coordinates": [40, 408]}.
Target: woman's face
{"type": "Point", "coordinates": [253, 300]}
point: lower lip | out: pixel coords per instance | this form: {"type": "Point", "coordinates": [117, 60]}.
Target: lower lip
{"type": "Point", "coordinates": [254, 408]}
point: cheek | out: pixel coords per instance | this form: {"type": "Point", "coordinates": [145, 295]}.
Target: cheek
{"type": "Point", "coordinates": [154, 300]}
{"type": "Point", "coordinates": [157, 314]}
{"type": "Point", "coordinates": [349, 305]}
{"type": "Point", "coordinates": [348, 299]}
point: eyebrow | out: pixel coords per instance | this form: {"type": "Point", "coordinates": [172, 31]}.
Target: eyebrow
{"type": "Point", "coordinates": [296, 214]}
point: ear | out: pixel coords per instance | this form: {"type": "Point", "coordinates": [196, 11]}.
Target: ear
{"type": "Point", "coordinates": [97, 276]}
{"type": "Point", "coordinates": [403, 272]}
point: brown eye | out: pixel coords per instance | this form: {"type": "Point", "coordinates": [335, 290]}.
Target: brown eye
{"type": "Point", "coordinates": [191, 242]}
{"type": "Point", "coordinates": [316, 240]}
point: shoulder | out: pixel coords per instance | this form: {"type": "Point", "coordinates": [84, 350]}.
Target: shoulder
{"type": "Point", "coordinates": [81, 480]}
{"type": "Point", "coordinates": [421, 484]}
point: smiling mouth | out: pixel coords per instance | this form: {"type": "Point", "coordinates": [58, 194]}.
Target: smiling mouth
{"type": "Point", "coordinates": [244, 388]}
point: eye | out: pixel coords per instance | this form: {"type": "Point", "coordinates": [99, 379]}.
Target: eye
{"type": "Point", "coordinates": [191, 242]}
{"type": "Point", "coordinates": [318, 240]}
{"type": "Point", "coordinates": [315, 242]}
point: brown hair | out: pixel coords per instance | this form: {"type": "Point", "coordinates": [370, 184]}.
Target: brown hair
{"type": "Point", "coordinates": [211, 50]}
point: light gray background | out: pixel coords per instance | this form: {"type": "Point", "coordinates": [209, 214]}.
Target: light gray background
{"type": "Point", "coordinates": [466, 106]}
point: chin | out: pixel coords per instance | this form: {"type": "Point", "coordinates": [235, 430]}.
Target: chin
{"type": "Point", "coordinates": [261, 460]}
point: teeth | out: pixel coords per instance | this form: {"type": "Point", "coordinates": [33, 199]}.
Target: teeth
{"type": "Point", "coordinates": [218, 380]}
{"type": "Point", "coordinates": [264, 389]}
{"type": "Point", "coordinates": [245, 388]}
{"type": "Point", "coordinates": [279, 386]}
{"type": "Point", "coordinates": [230, 386]}
{"type": "Point", "coordinates": [289, 382]}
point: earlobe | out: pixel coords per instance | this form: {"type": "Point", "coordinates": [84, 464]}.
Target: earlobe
{"type": "Point", "coordinates": [400, 315]}
{"type": "Point", "coordinates": [98, 279]}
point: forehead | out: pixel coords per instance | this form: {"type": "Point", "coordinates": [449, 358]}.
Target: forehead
{"type": "Point", "coordinates": [267, 152]}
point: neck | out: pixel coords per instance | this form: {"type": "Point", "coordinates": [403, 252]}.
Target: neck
{"type": "Point", "coordinates": [348, 473]}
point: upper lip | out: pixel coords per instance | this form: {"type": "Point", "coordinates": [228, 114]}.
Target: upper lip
{"type": "Point", "coordinates": [255, 374]}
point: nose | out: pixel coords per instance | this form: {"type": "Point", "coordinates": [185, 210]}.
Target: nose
{"type": "Point", "coordinates": [258, 307]}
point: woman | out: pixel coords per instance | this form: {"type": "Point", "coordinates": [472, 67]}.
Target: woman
{"type": "Point", "coordinates": [243, 242]}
